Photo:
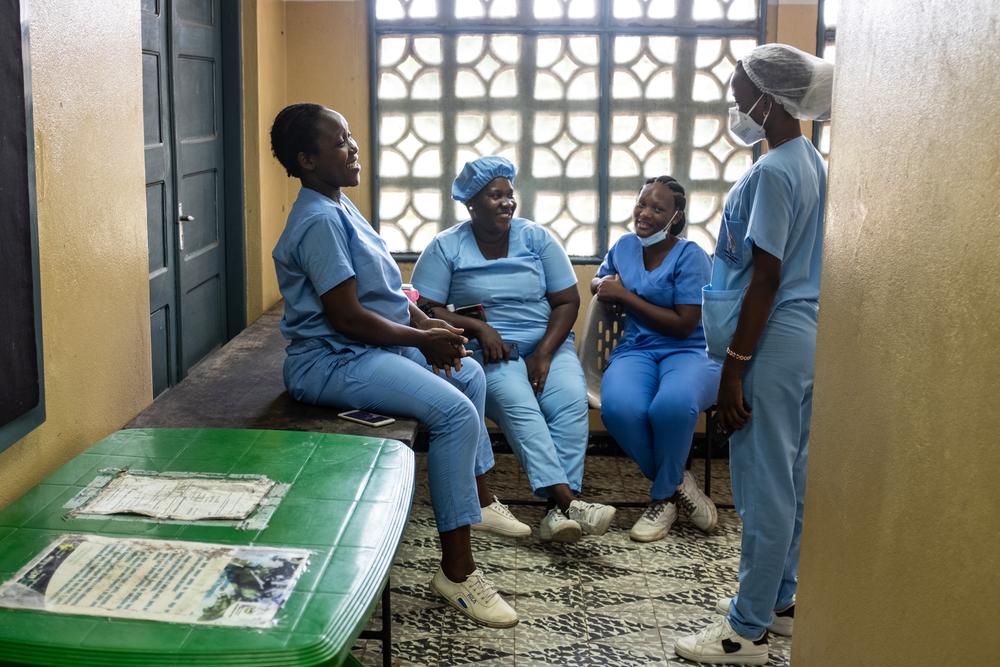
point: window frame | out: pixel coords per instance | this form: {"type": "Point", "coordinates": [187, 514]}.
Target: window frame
{"type": "Point", "coordinates": [604, 27]}
{"type": "Point", "coordinates": [825, 35]}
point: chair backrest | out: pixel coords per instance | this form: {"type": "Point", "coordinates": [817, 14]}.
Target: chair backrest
{"type": "Point", "coordinates": [601, 331]}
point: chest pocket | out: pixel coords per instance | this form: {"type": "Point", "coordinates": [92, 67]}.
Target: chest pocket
{"type": "Point", "coordinates": [658, 291]}
{"type": "Point", "coordinates": [373, 265]}
{"type": "Point", "coordinates": [505, 280]}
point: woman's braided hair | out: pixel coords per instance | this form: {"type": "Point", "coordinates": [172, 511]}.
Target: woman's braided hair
{"type": "Point", "coordinates": [294, 131]}
{"type": "Point", "coordinates": [680, 200]}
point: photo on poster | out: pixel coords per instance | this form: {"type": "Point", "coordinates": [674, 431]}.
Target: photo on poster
{"type": "Point", "coordinates": [158, 580]}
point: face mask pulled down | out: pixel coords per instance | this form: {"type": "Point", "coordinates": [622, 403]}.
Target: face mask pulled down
{"type": "Point", "coordinates": [656, 237]}
{"type": "Point", "coordinates": [745, 128]}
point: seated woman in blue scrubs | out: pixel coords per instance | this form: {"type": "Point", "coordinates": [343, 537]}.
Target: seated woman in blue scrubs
{"type": "Point", "coordinates": [357, 342]}
{"type": "Point", "coordinates": [524, 281]}
{"type": "Point", "coordinates": [659, 378]}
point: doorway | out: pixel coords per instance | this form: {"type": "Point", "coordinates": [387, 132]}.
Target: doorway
{"type": "Point", "coordinates": [193, 152]}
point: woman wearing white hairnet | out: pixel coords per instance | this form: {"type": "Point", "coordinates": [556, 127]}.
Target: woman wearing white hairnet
{"type": "Point", "coordinates": [759, 315]}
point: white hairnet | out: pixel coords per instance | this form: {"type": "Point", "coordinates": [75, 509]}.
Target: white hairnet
{"type": "Point", "coordinates": [798, 81]}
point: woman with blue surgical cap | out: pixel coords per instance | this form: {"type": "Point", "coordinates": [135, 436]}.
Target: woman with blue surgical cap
{"type": "Point", "coordinates": [759, 314]}
{"type": "Point", "coordinates": [356, 341]}
{"type": "Point", "coordinates": [535, 389]}
{"type": "Point", "coordinates": [658, 377]}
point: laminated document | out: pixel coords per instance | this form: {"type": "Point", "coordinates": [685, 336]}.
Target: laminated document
{"type": "Point", "coordinates": [158, 580]}
{"type": "Point", "coordinates": [179, 496]}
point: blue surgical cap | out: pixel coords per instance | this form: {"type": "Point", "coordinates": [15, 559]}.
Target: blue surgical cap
{"type": "Point", "coordinates": [478, 173]}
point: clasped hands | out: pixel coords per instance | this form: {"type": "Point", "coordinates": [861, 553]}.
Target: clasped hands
{"type": "Point", "coordinates": [443, 345]}
{"type": "Point", "coordinates": [611, 291]}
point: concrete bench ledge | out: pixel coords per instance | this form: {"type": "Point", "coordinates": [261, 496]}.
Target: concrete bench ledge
{"type": "Point", "coordinates": [240, 386]}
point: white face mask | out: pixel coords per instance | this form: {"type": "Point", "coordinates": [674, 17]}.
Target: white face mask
{"type": "Point", "coordinates": [745, 128]}
{"type": "Point", "coordinates": [656, 237]}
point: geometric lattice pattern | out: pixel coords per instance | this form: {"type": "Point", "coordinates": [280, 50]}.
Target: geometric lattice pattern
{"type": "Point", "coordinates": [587, 97]}
{"type": "Point", "coordinates": [669, 116]}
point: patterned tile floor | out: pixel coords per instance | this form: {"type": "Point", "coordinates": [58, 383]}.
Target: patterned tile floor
{"type": "Point", "coordinates": [602, 601]}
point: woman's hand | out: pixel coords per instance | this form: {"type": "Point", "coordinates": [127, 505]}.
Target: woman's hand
{"type": "Point", "coordinates": [538, 370]}
{"type": "Point", "coordinates": [611, 290]}
{"type": "Point", "coordinates": [734, 413]}
{"type": "Point", "coordinates": [442, 345]}
{"type": "Point", "coordinates": [493, 348]}
{"type": "Point", "coordinates": [435, 323]}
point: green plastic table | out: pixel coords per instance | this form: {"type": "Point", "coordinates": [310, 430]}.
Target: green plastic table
{"type": "Point", "coordinates": [349, 502]}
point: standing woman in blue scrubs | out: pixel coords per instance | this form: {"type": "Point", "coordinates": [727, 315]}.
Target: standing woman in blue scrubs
{"type": "Point", "coordinates": [760, 314]}
{"type": "Point", "coordinates": [658, 378]}
{"type": "Point", "coordinates": [525, 282]}
{"type": "Point", "coordinates": [356, 341]}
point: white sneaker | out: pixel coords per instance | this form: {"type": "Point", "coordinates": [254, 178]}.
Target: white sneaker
{"type": "Point", "coordinates": [498, 519]}
{"type": "Point", "coordinates": [719, 644]}
{"type": "Point", "coordinates": [594, 518]}
{"type": "Point", "coordinates": [655, 522]}
{"type": "Point", "coordinates": [700, 507]}
{"type": "Point", "coordinates": [556, 527]}
{"type": "Point", "coordinates": [782, 624]}
{"type": "Point", "coordinates": [477, 598]}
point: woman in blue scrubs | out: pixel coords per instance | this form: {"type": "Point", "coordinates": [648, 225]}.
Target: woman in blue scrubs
{"type": "Point", "coordinates": [759, 314]}
{"type": "Point", "coordinates": [526, 285]}
{"type": "Point", "coordinates": [659, 378]}
{"type": "Point", "coordinates": [356, 341]}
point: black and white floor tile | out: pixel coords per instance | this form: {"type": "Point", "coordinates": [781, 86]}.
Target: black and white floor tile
{"type": "Point", "coordinates": [602, 601]}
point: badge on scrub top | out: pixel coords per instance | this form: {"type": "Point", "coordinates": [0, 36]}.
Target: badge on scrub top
{"type": "Point", "coordinates": [732, 251]}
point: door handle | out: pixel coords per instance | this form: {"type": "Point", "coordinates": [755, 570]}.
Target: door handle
{"type": "Point", "coordinates": [180, 228]}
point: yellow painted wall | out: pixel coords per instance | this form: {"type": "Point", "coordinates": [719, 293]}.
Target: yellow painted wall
{"type": "Point", "coordinates": [265, 94]}
{"type": "Point", "coordinates": [328, 64]}
{"type": "Point", "coordinates": [87, 96]}
{"type": "Point", "coordinates": [793, 23]}
{"type": "Point", "coordinates": [295, 52]}
{"type": "Point", "coordinates": [901, 548]}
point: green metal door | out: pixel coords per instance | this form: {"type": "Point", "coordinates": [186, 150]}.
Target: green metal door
{"type": "Point", "coordinates": [185, 198]}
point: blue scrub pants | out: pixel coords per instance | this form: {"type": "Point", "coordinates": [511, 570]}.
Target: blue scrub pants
{"type": "Point", "coordinates": [398, 381]}
{"type": "Point", "coordinates": [650, 401]}
{"type": "Point", "coordinates": [547, 432]}
{"type": "Point", "coordinates": [768, 465]}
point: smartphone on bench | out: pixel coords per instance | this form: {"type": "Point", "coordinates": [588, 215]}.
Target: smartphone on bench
{"type": "Point", "coordinates": [366, 418]}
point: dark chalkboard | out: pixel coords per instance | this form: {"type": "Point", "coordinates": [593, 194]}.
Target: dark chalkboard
{"type": "Point", "coordinates": [20, 384]}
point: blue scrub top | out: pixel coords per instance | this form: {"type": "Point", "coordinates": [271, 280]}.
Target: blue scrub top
{"type": "Point", "coordinates": [325, 243]}
{"type": "Point", "coordinates": [677, 280]}
{"type": "Point", "coordinates": [452, 270]}
{"type": "Point", "coordinates": [778, 206]}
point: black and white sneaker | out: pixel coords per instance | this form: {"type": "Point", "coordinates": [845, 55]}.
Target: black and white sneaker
{"type": "Point", "coordinates": [784, 619]}
{"type": "Point", "coordinates": [719, 644]}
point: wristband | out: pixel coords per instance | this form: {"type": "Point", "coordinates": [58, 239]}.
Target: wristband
{"type": "Point", "coordinates": [737, 356]}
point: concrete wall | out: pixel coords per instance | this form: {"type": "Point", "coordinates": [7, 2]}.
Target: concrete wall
{"type": "Point", "coordinates": [902, 543]}
{"type": "Point", "coordinates": [87, 95]}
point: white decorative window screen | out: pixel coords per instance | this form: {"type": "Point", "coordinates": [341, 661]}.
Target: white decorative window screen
{"type": "Point", "coordinates": [587, 97]}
